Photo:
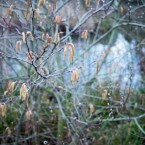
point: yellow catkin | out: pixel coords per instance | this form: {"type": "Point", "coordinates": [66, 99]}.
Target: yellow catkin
{"type": "Point", "coordinates": [91, 108]}
{"type": "Point", "coordinates": [10, 88]}
{"type": "Point", "coordinates": [71, 54]}
{"type": "Point", "coordinates": [64, 53]}
{"type": "Point", "coordinates": [104, 95]}
{"type": "Point", "coordinates": [48, 39]}
{"type": "Point", "coordinates": [29, 55]}
{"type": "Point", "coordinates": [6, 93]}
{"type": "Point", "coordinates": [24, 93]}
{"type": "Point", "coordinates": [72, 50]}
{"type": "Point", "coordinates": [8, 131]}
{"type": "Point", "coordinates": [28, 114]}
{"type": "Point", "coordinates": [18, 45]}
{"type": "Point", "coordinates": [87, 2]}
{"type": "Point", "coordinates": [84, 34]}
{"type": "Point", "coordinates": [29, 34]}
{"type": "Point", "coordinates": [121, 10]}
{"type": "Point", "coordinates": [74, 76]}
{"type": "Point", "coordinates": [23, 37]}
{"type": "Point", "coordinates": [37, 14]}
{"type": "Point", "coordinates": [57, 39]}
{"type": "Point", "coordinates": [41, 2]}
{"type": "Point", "coordinates": [3, 109]}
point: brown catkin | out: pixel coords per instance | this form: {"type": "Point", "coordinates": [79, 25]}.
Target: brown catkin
{"type": "Point", "coordinates": [87, 2]}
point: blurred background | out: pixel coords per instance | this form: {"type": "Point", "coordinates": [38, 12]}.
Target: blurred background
{"type": "Point", "coordinates": [72, 72]}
